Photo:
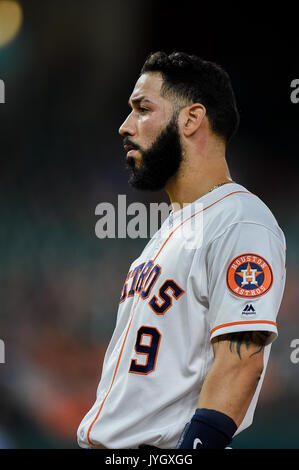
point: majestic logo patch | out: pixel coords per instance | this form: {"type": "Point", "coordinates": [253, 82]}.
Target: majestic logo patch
{"type": "Point", "coordinates": [249, 310]}
{"type": "Point", "coordinates": [249, 275]}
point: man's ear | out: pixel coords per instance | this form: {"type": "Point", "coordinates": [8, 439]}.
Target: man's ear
{"type": "Point", "coordinates": [191, 118]}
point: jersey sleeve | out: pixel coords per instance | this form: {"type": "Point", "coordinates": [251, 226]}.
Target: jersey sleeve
{"type": "Point", "coordinates": [246, 278]}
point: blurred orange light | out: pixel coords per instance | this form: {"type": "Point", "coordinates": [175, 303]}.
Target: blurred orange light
{"type": "Point", "coordinates": [11, 17]}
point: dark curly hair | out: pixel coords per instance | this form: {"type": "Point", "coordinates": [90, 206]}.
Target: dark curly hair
{"type": "Point", "coordinates": [189, 79]}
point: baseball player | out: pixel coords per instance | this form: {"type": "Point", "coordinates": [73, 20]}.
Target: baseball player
{"type": "Point", "coordinates": [197, 312]}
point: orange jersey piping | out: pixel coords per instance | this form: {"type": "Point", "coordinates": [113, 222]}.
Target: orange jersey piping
{"type": "Point", "coordinates": [249, 322]}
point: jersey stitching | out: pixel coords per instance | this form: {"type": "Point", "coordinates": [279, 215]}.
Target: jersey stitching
{"type": "Point", "coordinates": [245, 222]}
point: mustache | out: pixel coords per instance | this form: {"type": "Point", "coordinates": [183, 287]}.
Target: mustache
{"type": "Point", "coordinates": [128, 141]}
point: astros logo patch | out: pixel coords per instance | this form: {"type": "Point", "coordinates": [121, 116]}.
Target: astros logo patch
{"type": "Point", "coordinates": [249, 275]}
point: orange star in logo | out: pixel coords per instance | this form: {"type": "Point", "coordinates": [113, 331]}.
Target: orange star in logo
{"type": "Point", "coordinates": [249, 270]}
{"type": "Point", "coordinates": [249, 273]}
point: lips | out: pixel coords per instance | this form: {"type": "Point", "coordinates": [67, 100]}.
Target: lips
{"type": "Point", "coordinates": [130, 149]}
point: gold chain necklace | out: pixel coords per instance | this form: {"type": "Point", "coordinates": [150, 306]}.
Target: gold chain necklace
{"type": "Point", "coordinates": [220, 184]}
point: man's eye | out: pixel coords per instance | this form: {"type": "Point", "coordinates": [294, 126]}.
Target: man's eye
{"type": "Point", "coordinates": [142, 109]}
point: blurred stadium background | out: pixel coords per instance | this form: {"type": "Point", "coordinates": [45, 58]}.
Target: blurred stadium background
{"type": "Point", "coordinates": [68, 69]}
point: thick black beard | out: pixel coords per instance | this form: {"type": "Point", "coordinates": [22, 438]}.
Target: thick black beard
{"type": "Point", "coordinates": [161, 161]}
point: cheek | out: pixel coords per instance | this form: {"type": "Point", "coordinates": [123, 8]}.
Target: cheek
{"type": "Point", "coordinates": [149, 130]}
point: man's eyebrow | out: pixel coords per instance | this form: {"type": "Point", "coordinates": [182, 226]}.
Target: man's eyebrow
{"type": "Point", "coordinates": [138, 100]}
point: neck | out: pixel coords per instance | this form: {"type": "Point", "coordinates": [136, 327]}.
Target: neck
{"type": "Point", "coordinates": [195, 178]}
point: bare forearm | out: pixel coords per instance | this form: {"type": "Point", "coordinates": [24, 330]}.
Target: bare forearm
{"type": "Point", "coordinates": [234, 375]}
{"type": "Point", "coordinates": [229, 391]}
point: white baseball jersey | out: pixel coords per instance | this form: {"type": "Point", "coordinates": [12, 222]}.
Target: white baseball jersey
{"type": "Point", "coordinates": [224, 274]}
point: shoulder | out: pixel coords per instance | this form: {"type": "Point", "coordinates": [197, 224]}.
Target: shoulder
{"type": "Point", "coordinates": [239, 206]}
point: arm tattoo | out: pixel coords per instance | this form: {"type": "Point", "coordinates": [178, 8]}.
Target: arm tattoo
{"type": "Point", "coordinates": [247, 339]}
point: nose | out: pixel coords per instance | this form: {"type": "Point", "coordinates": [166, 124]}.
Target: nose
{"type": "Point", "coordinates": [127, 127]}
